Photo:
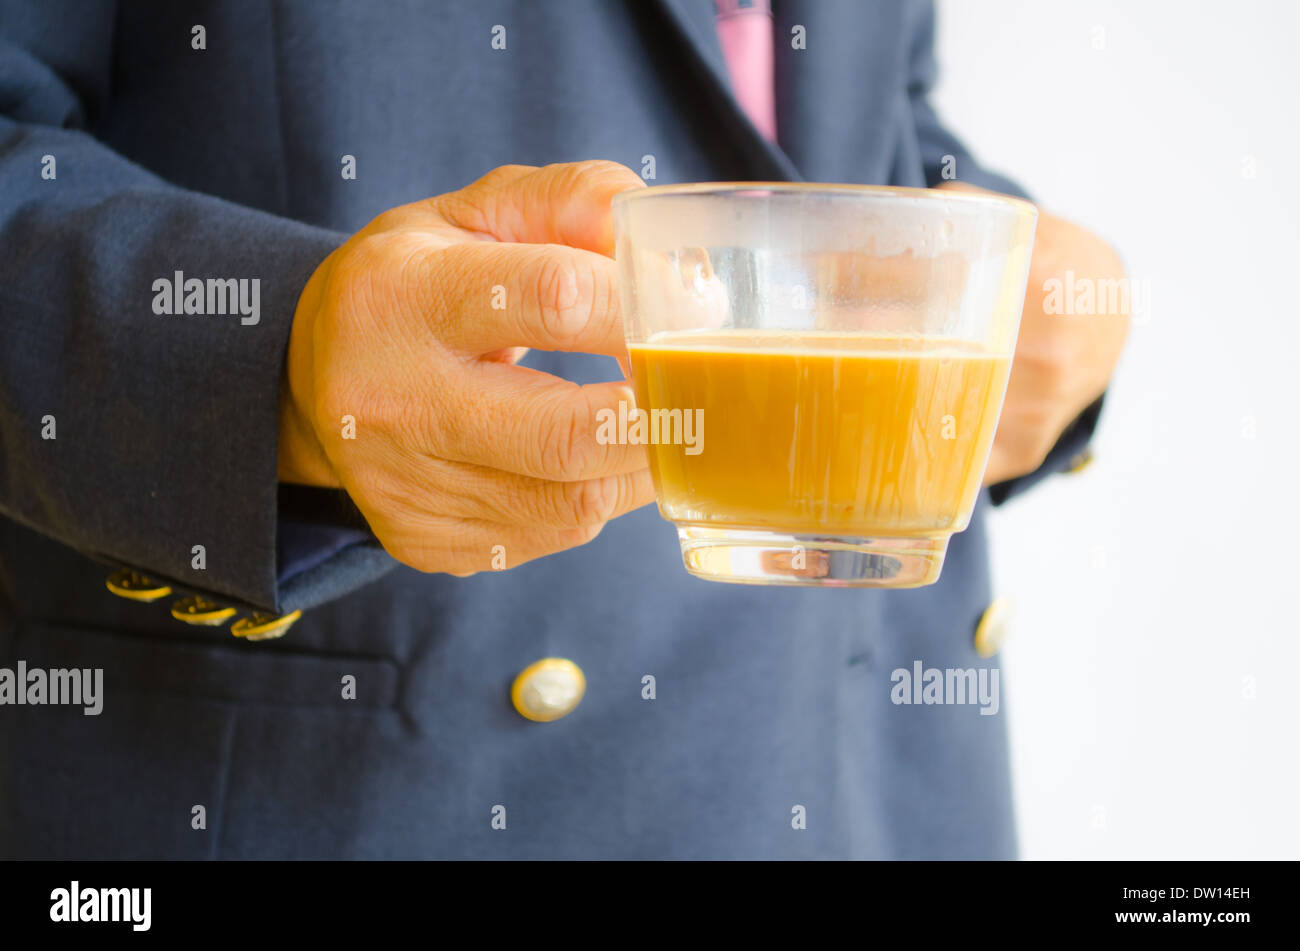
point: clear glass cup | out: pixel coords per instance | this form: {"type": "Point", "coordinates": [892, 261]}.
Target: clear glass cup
{"type": "Point", "coordinates": [818, 370]}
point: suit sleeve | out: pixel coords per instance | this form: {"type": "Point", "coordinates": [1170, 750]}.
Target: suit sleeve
{"type": "Point", "coordinates": [129, 435]}
{"type": "Point", "coordinates": [942, 153]}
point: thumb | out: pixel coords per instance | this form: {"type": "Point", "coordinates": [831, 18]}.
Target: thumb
{"type": "Point", "coordinates": [557, 204]}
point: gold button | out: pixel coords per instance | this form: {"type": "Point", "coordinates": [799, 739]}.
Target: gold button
{"type": "Point", "coordinates": [263, 627]}
{"type": "Point", "coordinates": [548, 689]}
{"type": "Point", "coordinates": [199, 610]}
{"type": "Point", "coordinates": [1080, 462]}
{"type": "Point", "coordinates": [131, 584]}
{"type": "Point", "coordinates": [993, 627]}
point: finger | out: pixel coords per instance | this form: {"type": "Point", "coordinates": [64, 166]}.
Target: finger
{"type": "Point", "coordinates": [558, 204]}
{"type": "Point", "coordinates": [492, 296]}
{"type": "Point", "coordinates": [465, 546]}
{"type": "Point", "coordinates": [475, 492]}
{"type": "Point", "coordinates": [491, 546]}
{"type": "Point", "coordinates": [521, 420]}
{"type": "Point", "coordinates": [678, 292]}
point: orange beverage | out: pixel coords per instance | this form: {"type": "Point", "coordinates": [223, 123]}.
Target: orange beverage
{"type": "Point", "coordinates": [828, 364]}
{"type": "Point", "coordinates": [822, 433]}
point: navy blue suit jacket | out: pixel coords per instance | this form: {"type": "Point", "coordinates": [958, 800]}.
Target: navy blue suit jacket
{"type": "Point", "coordinates": [225, 162]}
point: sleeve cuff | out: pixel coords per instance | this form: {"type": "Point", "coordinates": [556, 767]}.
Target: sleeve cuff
{"type": "Point", "coordinates": [324, 548]}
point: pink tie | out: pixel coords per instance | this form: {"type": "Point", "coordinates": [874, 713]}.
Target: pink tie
{"type": "Point", "coordinates": [745, 32]}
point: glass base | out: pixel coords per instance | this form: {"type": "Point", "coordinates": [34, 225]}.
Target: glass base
{"type": "Point", "coordinates": [743, 556]}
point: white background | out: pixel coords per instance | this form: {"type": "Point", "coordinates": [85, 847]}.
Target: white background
{"type": "Point", "coordinates": [1153, 666]}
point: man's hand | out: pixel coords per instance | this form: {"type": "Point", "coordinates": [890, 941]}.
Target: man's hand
{"type": "Point", "coordinates": [1063, 361]}
{"type": "Point", "coordinates": [457, 450]}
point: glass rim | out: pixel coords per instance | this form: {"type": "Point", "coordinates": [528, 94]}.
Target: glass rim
{"type": "Point", "coordinates": [828, 188]}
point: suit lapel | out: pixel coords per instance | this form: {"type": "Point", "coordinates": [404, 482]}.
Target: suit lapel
{"type": "Point", "coordinates": [839, 101]}
{"type": "Point", "coordinates": [692, 24]}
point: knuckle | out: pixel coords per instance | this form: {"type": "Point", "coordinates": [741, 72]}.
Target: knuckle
{"type": "Point", "coordinates": [384, 221]}
{"type": "Point", "coordinates": [548, 542]}
{"type": "Point", "coordinates": [592, 178]}
{"type": "Point", "coordinates": [377, 248]}
{"type": "Point", "coordinates": [373, 269]}
{"type": "Point", "coordinates": [591, 501]}
{"type": "Point", "coordinates": [465, 207]}
{"type": "Point", "coordinates": [576, 537]}
{"type": "Point", "coordinates": [567, 440]}
{"type": "Point", "coordinates": [604, 171]}
{"type": "Point", "coordinates": [392, 219]}
{"type": "Point", "coordinates": [560, 290]}
{"type": "Point", "coordinates": [510, 170]}
{"type": "Point", "coordinates": [475, 206]}
{"type": "Point", "coordinates": [502, 173]}
{"type": "Point", "coordinates": [396, 253]}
